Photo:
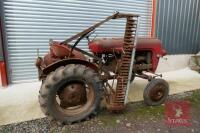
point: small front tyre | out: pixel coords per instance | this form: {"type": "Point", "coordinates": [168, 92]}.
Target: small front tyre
{"type": "Point", "coordinates": [156, 92]}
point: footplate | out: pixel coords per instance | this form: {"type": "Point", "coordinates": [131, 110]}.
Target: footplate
{"type": "Point", "coordinates": [117, 102]}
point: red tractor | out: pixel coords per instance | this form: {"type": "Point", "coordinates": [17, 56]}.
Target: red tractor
{"type": "Point", "coordinates": [75, 81]}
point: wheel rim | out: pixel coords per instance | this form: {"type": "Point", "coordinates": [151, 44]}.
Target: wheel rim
{"type": "Point", "coordinates": [75, 98]}
{"type": "Point", "coordinates": [157, 93]}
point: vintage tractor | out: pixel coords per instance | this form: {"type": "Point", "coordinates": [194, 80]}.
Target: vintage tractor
{"type": "Point", "coordinates": [74, 81]}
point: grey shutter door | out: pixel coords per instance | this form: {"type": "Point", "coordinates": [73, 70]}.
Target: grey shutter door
{"type": "Point", "coordinates": [30, 24]}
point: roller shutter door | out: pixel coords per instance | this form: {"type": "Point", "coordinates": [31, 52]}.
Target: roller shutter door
{"type": "Point", "coordinates": [30, 24]}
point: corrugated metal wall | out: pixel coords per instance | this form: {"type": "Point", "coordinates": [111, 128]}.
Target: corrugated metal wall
{"type": "Point", "coordinates": [178, 25]}
{"type": "Point", "coordinates": [30, 24]}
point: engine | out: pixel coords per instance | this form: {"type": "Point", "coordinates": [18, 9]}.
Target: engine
{"type": "Point", "coordinates": [148, 52]}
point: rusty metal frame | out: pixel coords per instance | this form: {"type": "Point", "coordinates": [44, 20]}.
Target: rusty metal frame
{"type": "Point", "coordinates": [83, 34]}
{"type": "Point", "coordinates": [79, 36]}
{"type": "Point", "coordinates": [88, 30]}
{"type": "Point", "coordinates": [117, 99]}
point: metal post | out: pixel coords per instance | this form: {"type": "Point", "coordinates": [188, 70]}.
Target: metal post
{"type": "Point", "coordinates": [4, 63]}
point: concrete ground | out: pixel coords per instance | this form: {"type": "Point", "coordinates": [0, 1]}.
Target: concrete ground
{"type": "Point", "coordinates": [181, 80]}
{"type": "Point", "coordinates": [19, 102]}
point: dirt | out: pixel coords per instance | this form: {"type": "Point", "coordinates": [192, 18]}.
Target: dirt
{"type": "Point", "coordinates": [137, 118]}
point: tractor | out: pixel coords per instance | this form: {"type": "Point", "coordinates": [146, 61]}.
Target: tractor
{"type": "Point", "coordinates": [74, 81]}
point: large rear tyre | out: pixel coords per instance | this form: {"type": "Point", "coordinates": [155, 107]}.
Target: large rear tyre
{"type": "Point", "coordinates": [156, 92]}
{"type": "Point", "coordinates": [71, 94]}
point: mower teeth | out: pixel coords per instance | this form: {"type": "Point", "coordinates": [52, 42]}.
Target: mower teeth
{"type": "Point", "coordinates": [122, 80]}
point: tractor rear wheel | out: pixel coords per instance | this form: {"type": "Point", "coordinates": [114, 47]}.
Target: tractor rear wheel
{"type": "Point", "coordinates": [71, 94]}
{"type": "Point", "coordinates": [156, 92]}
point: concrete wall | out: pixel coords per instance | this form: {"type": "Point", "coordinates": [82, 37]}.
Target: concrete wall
{"type": "Point", "coordinates": [173, 62]}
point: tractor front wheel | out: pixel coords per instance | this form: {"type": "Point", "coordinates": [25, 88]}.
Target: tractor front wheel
{"type": "Point", "coordinates": [71, 94]}
{"type": "Point", "coordinates": [156, 92]}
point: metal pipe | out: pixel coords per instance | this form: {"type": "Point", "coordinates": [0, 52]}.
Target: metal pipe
{"type": "Point", "coordinates": [86, 31]}
{"type": "Point", "coordinates": [153, 18]}
{"type": "Point", "coordinates": [4, 62]}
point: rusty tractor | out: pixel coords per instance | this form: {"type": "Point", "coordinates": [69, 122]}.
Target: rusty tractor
{"type": "Point", "coordinates": [75, 81]}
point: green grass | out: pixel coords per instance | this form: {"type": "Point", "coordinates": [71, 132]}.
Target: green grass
{"type": "Point", "coordinates": [194, 99]}
{"type": "Point", "coordinates": [66, 130]}
{"type": "Point", "coordinates": [108, 118]}
{"type": "Point", "coordinates": [142, 111]}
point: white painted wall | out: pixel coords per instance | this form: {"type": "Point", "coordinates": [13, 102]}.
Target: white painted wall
{"type": "Point", "coordinates": [173, 62]}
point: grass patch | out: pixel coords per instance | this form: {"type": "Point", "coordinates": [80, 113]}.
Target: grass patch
{"type": "Point", "coordinates": [144, 111]}
{"type": "Point", "coordinates": [108, 119]}
{"type": "Point", "coordinates": [66, 130]}
{"type": "Point", "coordinates": [194, 99]}
{"type": "Point", "coordinates": [141, 111]}
{"type": "Point", "coordinates": [132, 112]}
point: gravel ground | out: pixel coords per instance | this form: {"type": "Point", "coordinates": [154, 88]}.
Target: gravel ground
{"type": "Point", "coordinates": [137, 118]}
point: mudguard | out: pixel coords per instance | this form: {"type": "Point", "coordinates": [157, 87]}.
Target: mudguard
{"type": "Point", "coordinates": [64, 62]}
